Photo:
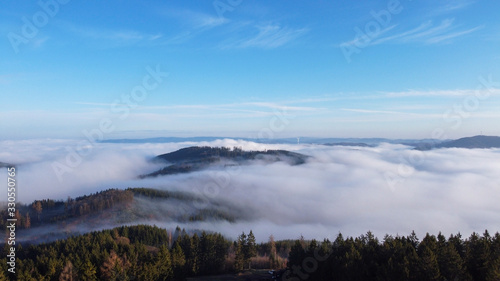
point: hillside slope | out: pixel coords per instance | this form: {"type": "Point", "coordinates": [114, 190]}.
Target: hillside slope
{"type": "Point", "coordinates": [47, 220]}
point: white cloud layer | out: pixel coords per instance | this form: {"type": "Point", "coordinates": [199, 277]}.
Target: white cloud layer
{"type": "Point", "coordinates": [339, 189]}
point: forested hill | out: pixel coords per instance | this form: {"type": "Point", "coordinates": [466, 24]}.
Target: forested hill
{"type": "Point", "coordinates": [47, 219]}
{"type": "Point", "coordinates": [202, 153]}
{"type": "Point", "coordinates": [197, 158]}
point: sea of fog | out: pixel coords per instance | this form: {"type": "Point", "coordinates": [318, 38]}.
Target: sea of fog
{"type": "Point", "coordinates": [388, 189]}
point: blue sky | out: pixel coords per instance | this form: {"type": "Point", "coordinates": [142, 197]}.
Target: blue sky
{"type": "Point", "coordinates": [240, 68]}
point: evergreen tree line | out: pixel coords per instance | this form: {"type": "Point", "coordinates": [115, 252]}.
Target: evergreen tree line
{"type": "Point", "coordinates": [397, 258]}
{"type": "Point", "coordinates": [151, 253]}
{"type": "Point", "coordinates": [125, 253]}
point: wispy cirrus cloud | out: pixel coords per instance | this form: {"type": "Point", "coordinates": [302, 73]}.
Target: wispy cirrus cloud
{"type": "Point", "coordinates": [192, 24]}
{"type": "Point", "coordinates": [194, 19]}
{"type": "Point", "coordinates": [442, 93]}
{"type": "Point", "coordinates": [427, 33]}
{"type": "Point", "coordinates": [118, 36]}
{"type": "Point", "coordinates": [280, 106]}
{"type": "Point", "coordinates": [451, 7]}
{"type": "Point", "coordinates": [260, 108]}
{"type": "Point", "coordinates": [268, 36]}
{"type": "Point", "coordinates": [448, 37]}
{"type": "Point", "coordinates": [373, 111]}
{"type": "Point", "coordinates": [358, 40]}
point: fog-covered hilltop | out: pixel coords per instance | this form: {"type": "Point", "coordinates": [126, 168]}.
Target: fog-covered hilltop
{"type": "Point", "coordinates": [197, 158]}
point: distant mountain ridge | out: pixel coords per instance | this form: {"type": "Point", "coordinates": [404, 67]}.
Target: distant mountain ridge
{"type": "Point", "coordinates": [301, 140]}
{"type": "Point", "coordinates": [360, 144]}
{"type": "Point", "coordinates": [475, 142]}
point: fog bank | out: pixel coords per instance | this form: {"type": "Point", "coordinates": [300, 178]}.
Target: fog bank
{"type": "Point", "coordinates": [386, 189]}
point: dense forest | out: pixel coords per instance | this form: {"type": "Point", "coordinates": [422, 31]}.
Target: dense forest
{"type": "Point", "coordinates": [397, 258]}
{"type": "Point", "coordinates": [151, 253]}
{"type": "Point", "coordinates": [132, 253]}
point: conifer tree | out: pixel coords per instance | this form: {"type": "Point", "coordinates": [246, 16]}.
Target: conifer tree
{"type": "Point", "coordinates": [164, 263]}
{"type": "Point", "coordinates": [250, 249]}
{"type": "Point", "coordinates": [239, 262]}
{"type": "Point", "coordinates": [428, 265]}
{"type": "Point", "coordinates": [88, 271]}
{"type": "Point", "coordinates": [297, 255]}
{"type": "Point", "coordinates": [178, 261]}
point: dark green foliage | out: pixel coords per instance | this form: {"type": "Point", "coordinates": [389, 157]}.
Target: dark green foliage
{"type": "Point", "coordinates": [239, 263]}
{"type": "Point", "coordinates": [451, 264]}
{"type": "Point", "coordinates": [297, 255]}
{"type": "Point", "coordinates": [163, 265]}
{"type": "Point", "coordinates": [149, 253]}
{"type": "Point", "coordinates": [212, 251]}
{"type": "Point", "coordinates": [397, 258]}
{"type": "Point", "coordinates": [246, 248]}
{"type": "Point", "coordinates": [125, 253]}
{"type": "Point", "coordinates": [178, 261]}
{"type": "Point", "coordinates": [161, 194]}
